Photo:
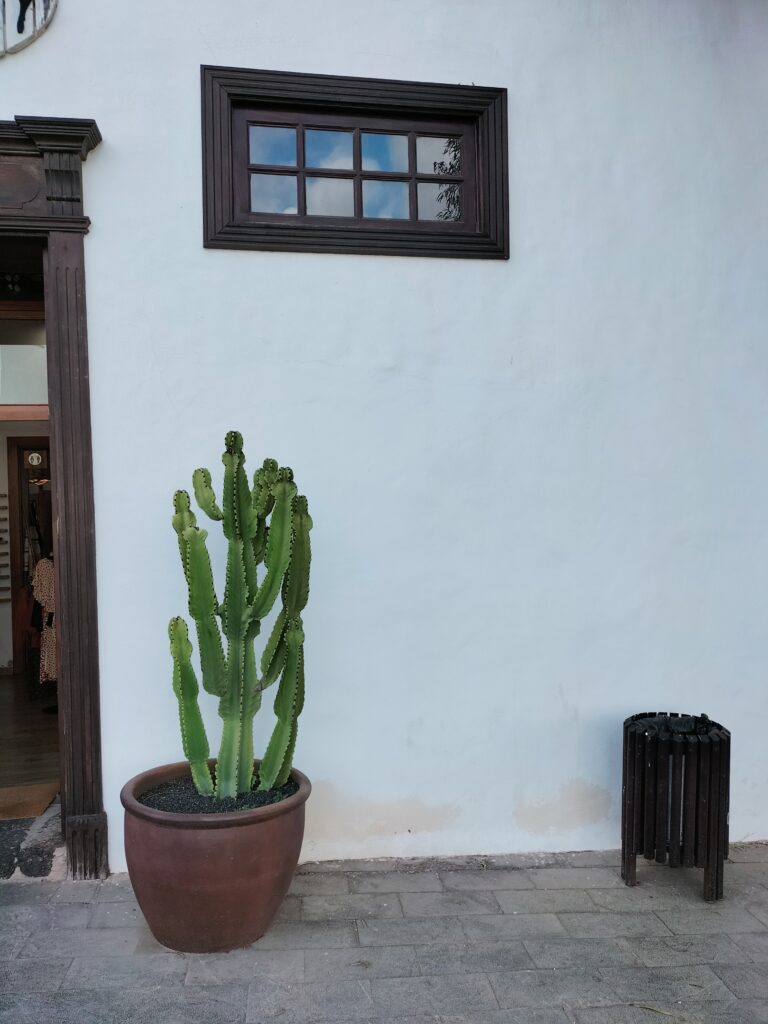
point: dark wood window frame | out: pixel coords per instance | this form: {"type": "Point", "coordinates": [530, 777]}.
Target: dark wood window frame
{"type": "Point", "coordinates": [41, 198]}
{"type": "Point", "coordinates": [234, 97]}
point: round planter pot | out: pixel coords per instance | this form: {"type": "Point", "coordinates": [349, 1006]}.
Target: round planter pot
{"type": "Point", "coordinates": [210, 882]}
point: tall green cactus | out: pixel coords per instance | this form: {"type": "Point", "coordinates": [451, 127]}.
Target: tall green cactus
{"type": "Point", "coordinates": [267, 523]}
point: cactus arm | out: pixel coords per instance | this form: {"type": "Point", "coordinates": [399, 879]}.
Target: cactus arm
{"type": "Point", "coordinates": [296, 581]}
{"type": "Point", "coordinates": [183, 518]}
{"type": "Point", "coordinates": [278, 553]}
{"type": "Point", "coordinates": [285, 708]}
{"type": "Point", "coordinates": [193, 737]}
{"type": "Point", "coordinates": [203, 607]}
{"type": "Point", "coordinates": [285, 769]}
{"type": "Point", "coordinates": [273, 656]}
{"type": "Point", "coordinates": [204, 496]}
{"type": "Point", "coordinates": [251, 704]}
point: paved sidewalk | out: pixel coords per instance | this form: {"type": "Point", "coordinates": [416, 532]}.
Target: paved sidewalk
{"type": "Point", "coordinates": [504, 940]}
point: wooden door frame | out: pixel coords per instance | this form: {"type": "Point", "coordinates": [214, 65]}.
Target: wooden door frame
{"type": "Point", "coordinates": [41, 197]}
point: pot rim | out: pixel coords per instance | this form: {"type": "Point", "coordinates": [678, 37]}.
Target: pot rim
{"type": "Point", "coordinates": [226, 819]}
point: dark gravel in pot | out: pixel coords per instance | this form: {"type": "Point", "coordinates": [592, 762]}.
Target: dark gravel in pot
{"type": "Point", "coordinates": [181, 797]}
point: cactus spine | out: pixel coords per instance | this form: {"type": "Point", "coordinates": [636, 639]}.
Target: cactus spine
{"type": "Point", "coordinates": [267, 523]}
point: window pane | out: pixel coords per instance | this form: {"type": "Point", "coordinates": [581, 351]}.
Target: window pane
{"type": "Point", "coordinates": [438, 156]}
{"type": "Point", "coordinates": [23, 371]}
{"type": "Point", "coordinates": [276, 146]}
{"type": "Point", "coordinates": [384, 152]}
{"type": "Point", "coordinates": [385, 199]}
{"type": "Point", "coordinates": [273, 193]}
{"type": "Point", "coordinates": [328, 149]}
{"type": "Point", "coordinates": [439, 201]}
{"type": "Point", "coordinates": [330, 197]}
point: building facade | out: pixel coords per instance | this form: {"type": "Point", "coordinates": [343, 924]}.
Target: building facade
{"type": "Point", "coordinates": [536, 481]}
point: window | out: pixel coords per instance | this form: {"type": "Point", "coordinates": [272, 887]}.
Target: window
{"type": "Point", "coordinates": [326, 164]}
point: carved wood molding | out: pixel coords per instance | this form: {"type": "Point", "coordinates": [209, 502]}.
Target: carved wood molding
{"type": "Point", "coordinates": [41, 166]}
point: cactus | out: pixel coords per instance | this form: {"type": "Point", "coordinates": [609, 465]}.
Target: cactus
{"type": "Point", "coordinates": [267, 524]}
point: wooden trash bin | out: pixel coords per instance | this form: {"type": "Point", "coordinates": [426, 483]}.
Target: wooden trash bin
{"type": "Point", "coordinates": [675, 795]}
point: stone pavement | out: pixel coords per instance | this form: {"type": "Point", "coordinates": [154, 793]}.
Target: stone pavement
{"type": "Point", "coordinates": [500, 940]}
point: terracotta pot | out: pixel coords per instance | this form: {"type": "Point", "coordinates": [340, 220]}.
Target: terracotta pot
{"type": "Point", "coordinates": [210, 882]}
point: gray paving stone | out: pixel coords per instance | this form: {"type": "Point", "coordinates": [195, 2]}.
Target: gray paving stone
{"type": "Point", "coordinates": [277, 1000]}
{"type": "Point", "coordinates": [591, 859]}
{"type": "Point", "coordinates": [497, 928]}
{"type": "Point", "coordinates": [71, 942]}
{"type": "Point", "coordinates": [757, 1007]}
{"type": "Point", "coordinates": [448, 904]}
{"type": "Point", "coordinates": [473, 958]}
{"type": "Point", "coordinates": [117, 914]}
{"type": "Point", "coordinates": [545, 1015]}
{"type": "Point", "coordinates": [570, 986]}
{"type": "Point", "coordinates": [126, 972]}
{"type": "Point", "coordinates": [746, 981]}
{"type": "Point", "coordinates": [76, 892]}
{"type": "Point", "coordinates": [290, 909]}
{"type": "Point", "coordinates": [684, 950]}
{"type": "Point", "coordinates": [644, 897]}
{"type": "Point", "coordinates": [710, 919]}
{"type": "Point", "coordinates": [651, 873]}
{"type": "Point", "coordinates": [669, 1013]}
{"type": "Point", "coordinates": [752, 944]}
{"type": "Point", "coordinates": [410, 931]}
{"type": "Point", "coordinates": [606, 925]}
{"type": "Point", "coordinates": [735, 873]}
{"type": "Point", "coordinates": [37, 976]}
{"type": "Point", "coordinates": [341, 1000]}
{"type": "Point", "coordinates": [329, 884]}
{"type": "Point", "coordinates": [178, 1005]}
{"type": "Point", "coordinates": [37, 916]}
{"type": "Point", "coordinates": [116, 887]}
{"type": "Point", "coordinates": [544, 901]}
{"type": "Point", "coordinates": [243, 966]}
{"type": "Point", "coordinates": [351, 907]}
{"type": "Point", "coordinates": [580, 952]}
{"type": "Point", "coordinates": [576, 878]}
{"type": "Point", "coordinates": [758, 908]}
{"type": "Point", "coordinates": [31, 891]}
{"type": "Point", "coordinates": [395, 881]}
{"type": "Point", "coordinates": [377, 864]}
{"type": "Point", "coordinates": [349, 964]}
{"type": "Point", "coordinates": [490, 879]}
{"type": "Point", "coordinates": [436, 994]}
{"type": "Point", "coordinates": [665, 984]}
{"type": "Point", "coordinates": [753, 853]}
{"type": "Point", "coordinates": [12, 938]}
{"type": "Point", "coordinates": [309, 935]}
{"type": "Point", "coordinates": [522, 860]}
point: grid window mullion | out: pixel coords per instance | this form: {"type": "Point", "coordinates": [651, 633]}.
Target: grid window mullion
{"type": "Point", "coordinates": [412, 210]}
{"type": "Point", "coordinates": [301, 199]}
{"type": "Point", "coordinates": [357, 163]}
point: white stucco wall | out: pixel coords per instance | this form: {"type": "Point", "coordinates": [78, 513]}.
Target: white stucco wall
{"type": "Point", "coordinates": [538, 486]}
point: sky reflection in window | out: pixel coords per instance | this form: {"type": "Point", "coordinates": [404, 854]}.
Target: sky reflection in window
{"type": "Point", "coordinates": [384, 152]}
{"type": "Point", "coordinates": [270, 145]}
{"type": "Point", "coordinates": [386, 200]}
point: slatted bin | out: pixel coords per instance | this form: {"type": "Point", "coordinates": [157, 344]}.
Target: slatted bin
{"type": "Point", "coordinates": [675, 795]}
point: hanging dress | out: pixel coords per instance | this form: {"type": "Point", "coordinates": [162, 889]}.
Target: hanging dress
{"type": "Point", "coordinates": [44, 591]}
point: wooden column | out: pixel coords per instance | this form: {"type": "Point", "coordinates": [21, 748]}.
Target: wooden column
{"type": "Point", "coordinates": [84, 821]}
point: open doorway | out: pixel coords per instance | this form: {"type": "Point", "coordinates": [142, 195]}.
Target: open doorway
{"type": "Point", "coordinates": [43, 223]}
{"type": "Point", "coordinates": [29, 728]}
